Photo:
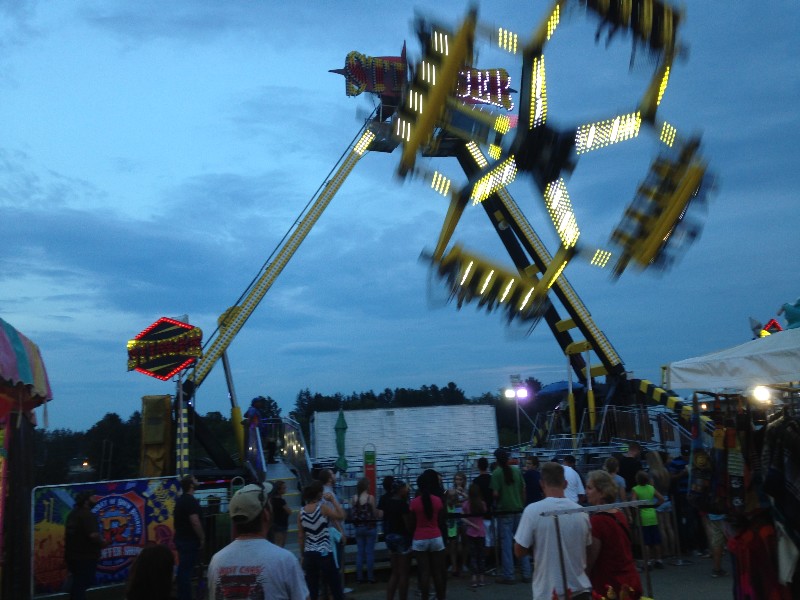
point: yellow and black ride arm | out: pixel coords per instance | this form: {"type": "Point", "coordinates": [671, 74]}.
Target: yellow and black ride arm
{"type": "Point", "coordinates": [234, 318]}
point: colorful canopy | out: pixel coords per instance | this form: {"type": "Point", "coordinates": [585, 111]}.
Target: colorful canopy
{"type": "Point", "coordinates": [21, 364]}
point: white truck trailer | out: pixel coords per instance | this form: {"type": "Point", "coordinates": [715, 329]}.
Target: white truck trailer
{"type": "Point", "coordinates": [407, 439]}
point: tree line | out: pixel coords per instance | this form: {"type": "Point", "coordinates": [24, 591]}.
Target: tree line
{"type": "Point", "coordinates": [111, 447]}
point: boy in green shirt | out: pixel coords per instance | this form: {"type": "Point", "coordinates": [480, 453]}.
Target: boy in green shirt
{"type": "Point", "coordinates": [509, 499]}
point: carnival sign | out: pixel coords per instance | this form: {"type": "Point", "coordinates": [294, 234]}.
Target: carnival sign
{"type": "Point", "coordinates": [131, 514]}
{"type": "Point", "coordinates": [165, 348]}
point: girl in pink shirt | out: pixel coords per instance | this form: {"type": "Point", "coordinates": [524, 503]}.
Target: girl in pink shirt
{"type": "Point", "coordinates": [474, 510]}
{"type": "Point", "coordinates": [427, 543]}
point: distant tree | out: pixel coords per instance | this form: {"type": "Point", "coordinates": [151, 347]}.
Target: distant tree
{"type": "Point", "coordinates": [485, 398]}
{"type": "Point", "coordinates": [222, 429]}
{"type": "Point", "coordinates": [130, 453]}
{"type": "Point", "coordinates": [307, 404]}
{"type": "Point", "coordinates": [507, 436]}
{"type": "Point", "coordinates": [434, 394]}
{"type": "Point", "coordinates": [534, 385]}
{"type": "Point", "coordinates": [453, 395]}
{"type": "Point", "coordinates": [402, 398]}
{"type": "Point", "coordinates": [506, 413]}
{"type": "Point", "coordinates": [271, 409]}
{"type": "Point", "coordinates": [363, 401]}
{"type": "Point", "coordinates": [214, 417]}
{"type": "Point", "coordinates": [53, 451]}
{"type": "Point", "coordinates": [110, 449]}
{"type": "Point", "coordinates": [386, 398]}
{"type": "Point", "coordinates": [301, 405]}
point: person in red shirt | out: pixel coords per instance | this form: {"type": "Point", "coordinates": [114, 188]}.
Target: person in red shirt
{"type": "Point", "coordinates": [610, 557]}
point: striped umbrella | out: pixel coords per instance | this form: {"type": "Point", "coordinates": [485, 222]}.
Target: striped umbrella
{"type": "Point", "coordinates": [23, 379]}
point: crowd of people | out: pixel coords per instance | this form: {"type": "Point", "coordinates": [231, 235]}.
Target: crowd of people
{"type": "Point", "coordinates": [530, 521]}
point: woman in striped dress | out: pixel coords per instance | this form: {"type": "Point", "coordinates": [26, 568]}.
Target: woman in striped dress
{"type": "Point", "coordinates": [315, 542]}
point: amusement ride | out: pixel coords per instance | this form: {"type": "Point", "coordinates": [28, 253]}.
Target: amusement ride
{"type": "Point", "coordinates": [445, 106]}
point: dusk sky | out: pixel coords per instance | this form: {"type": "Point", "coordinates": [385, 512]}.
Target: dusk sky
{"type": "Point", "coordinates": [152, 155]}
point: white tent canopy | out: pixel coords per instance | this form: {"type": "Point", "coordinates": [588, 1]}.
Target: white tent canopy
{"type": "Point", "coordinates": [769, 360]}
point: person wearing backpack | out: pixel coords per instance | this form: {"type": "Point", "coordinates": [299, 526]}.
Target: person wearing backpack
{"type": "Point", "coordinates": [365, 519]}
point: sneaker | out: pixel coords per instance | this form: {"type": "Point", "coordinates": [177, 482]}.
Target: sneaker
{"type": "Point", "coordinates": [719, 573]}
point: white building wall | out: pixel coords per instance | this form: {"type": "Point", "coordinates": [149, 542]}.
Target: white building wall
{"type": "Point", "coordinates": [419, 430]}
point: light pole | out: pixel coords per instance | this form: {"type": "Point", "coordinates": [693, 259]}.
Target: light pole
{"type": "Point", "coordinates": [518, 392]}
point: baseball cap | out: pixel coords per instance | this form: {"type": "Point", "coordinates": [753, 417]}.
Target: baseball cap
{"type": "Point", "coordinates": [248, 503]}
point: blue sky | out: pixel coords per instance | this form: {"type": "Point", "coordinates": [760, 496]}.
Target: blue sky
{"type": "Point", "coordinates": [153, 154]}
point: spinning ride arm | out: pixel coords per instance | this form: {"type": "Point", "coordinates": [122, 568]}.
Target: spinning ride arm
{"type": "Point", "coordinates": [651, 227]}
{"type": "Point", "coordinates": [533, 262]}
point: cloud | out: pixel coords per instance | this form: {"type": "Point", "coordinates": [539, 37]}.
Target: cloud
{"type": "Point", "coordinates": [199, 21]}
{"type": "Point", "coordinates": [17, 23]}
{"type": "Point", "coordinates": [23, 183]}
{"type": "Point", "coordinates": [311, 349]}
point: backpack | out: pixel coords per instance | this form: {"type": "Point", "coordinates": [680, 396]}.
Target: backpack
{"type": "Point", "coordinates": [362, 514]}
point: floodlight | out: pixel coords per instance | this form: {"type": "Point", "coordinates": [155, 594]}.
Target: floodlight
{"type": "Point", "coordinates": [762, 393]}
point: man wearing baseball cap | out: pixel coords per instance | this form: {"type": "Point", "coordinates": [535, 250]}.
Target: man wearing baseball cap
{"type": "Point", "coordinates": [250, 566]}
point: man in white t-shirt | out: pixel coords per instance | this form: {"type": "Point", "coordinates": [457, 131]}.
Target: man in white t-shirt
{"type": "Point", "coordinates": [250, 566]}
{"type": "Point", "coordinates": [537, 534]}
{"type": "Point", "coordinates": [575, 490]}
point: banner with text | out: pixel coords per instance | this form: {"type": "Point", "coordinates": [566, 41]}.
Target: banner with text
{"type": "Point", "coordinates": [131, 513]}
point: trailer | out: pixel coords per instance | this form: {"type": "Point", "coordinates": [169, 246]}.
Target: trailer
{"type": "Point", "coordinates": [417, 435]}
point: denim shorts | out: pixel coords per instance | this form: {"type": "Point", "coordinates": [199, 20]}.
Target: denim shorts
{"type": "Point", "coordinates": [431, 545]}
{"type": "Point", "coordinates": [397, 543]}
{"type": "Point", "coordinates": [651, 535]}
{"type": "Point", "coordinates": [487, 525]}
